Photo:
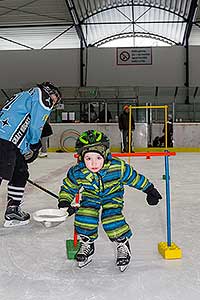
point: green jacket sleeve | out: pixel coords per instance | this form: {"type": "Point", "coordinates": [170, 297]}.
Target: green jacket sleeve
{"type": "Point", "coordinates": [70, 187]}
{"type": "Point", "coordinates": [133, 179]}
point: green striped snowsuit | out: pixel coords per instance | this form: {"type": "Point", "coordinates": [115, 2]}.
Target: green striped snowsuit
{"type": "Point", "coordinates": [105, 190]}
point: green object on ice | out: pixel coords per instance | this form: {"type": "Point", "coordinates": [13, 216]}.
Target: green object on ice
{"type": "Point", "coordinates": [71, 249]}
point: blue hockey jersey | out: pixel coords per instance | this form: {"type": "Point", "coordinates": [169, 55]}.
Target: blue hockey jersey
{"type": "Point", "coordinates": [23, 117]}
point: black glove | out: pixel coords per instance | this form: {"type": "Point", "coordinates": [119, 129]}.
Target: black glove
{"type": "Point", "coordinates": [69, 209]}
{"type": "Point", "coordinates": [33, 153]}
{"type": "Point", "coordinates": [36, 147]}
{"type": "Point", "coordinates": [153, 195]}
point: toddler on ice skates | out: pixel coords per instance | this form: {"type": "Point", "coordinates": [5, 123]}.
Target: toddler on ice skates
{"type": "Point", "coordinates": [101, 179]}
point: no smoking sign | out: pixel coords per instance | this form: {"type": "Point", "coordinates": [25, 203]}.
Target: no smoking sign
{"type": "Point", "coordinates": [134, 56]}
{"type": "Point", "coordinates": [124, 56]}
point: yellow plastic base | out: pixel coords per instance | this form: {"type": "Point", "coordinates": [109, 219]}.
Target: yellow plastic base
{"type": "Point", "coordinates": [172, 252]}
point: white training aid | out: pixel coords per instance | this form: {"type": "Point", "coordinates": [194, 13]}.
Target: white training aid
{"type": "Point", "coordinates": [50, 217]}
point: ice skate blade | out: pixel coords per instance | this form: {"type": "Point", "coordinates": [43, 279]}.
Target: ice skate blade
{"type": "Point", "coordinates": [15, 223]}
{"type": "Point", "coordinates": [82, 264]}
{"type": "Point", "coordinates": [123, 268]}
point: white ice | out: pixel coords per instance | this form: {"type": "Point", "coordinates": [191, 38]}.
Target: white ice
{"type": "Point", "coordinates": [33, 261]}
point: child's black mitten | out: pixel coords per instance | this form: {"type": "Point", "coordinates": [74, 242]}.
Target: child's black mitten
{"type": "Point", "coordinates": [70, 210]}
{"type": "Point", "coordinates": [153, 195]}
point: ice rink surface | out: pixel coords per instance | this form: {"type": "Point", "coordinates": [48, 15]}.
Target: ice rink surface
{"type": "Point", "coordinates": [33, 261]}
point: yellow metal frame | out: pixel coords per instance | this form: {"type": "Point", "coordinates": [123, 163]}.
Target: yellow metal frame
{"type": "Point", "coordinates": [165, 107]}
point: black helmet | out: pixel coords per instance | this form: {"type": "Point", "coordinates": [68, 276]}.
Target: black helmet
{"type": "Point", "coordinates": [92, 141]}
{"type": "Point", "coordinates": [51, 89]}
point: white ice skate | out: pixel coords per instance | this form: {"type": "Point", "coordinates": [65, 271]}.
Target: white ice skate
{"type": "Point", "coordinates": [42, 155]}
{"type": "Point", "coordinates": [123, 254]}
{"type": "Point", "coordinates": [14, 216]}
{"type": "Point", "coordinates": [85, 253]}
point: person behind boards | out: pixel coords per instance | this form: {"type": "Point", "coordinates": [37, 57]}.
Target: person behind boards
{"type": "Point", "coordinates": [124, 128]}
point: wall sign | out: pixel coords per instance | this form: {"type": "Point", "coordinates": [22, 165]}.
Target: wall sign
{"type": "Point", "coordinates": [134, 56]}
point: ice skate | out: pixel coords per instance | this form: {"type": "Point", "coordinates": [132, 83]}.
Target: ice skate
{"type": "Point", "coordinates": [85, 253]}
{"type": "Point", "coordinates": [14, 216]}
{"type": "Point", "coordinates": [42, 154]}
{"type": "Point", "coordinates": [123, 254]}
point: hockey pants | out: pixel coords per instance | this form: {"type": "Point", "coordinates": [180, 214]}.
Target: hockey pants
{"type": "Point", "coordinates": [13, 168]}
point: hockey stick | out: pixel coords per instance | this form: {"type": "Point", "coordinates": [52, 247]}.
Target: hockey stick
{"type": "Point", "coordinates": [48, 217]}
{"type": "Point", "coordinates": [42, 188]}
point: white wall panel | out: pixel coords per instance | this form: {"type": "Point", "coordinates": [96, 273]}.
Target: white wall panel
{"type": "Point", "coordinates": [194, 60]}
{"type": "Point", "coordinates": [23, 68]}
{"type": "Point", "coordinates": [185, 134]}
{"type": "Point", "coordinates": [167, 68]}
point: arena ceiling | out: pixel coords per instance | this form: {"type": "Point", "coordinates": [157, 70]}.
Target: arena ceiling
{"type": "Point", "coordinates": [47, 24]}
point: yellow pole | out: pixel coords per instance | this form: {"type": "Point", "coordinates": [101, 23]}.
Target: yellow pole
{"type": "Point", "coordinates": [165, 116]}
{"type": "Point", "coordinates": [152, 106]}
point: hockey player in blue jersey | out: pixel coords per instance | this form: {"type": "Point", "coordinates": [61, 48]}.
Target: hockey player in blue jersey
{"type": "Point", "coordinates": [21, 123]}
